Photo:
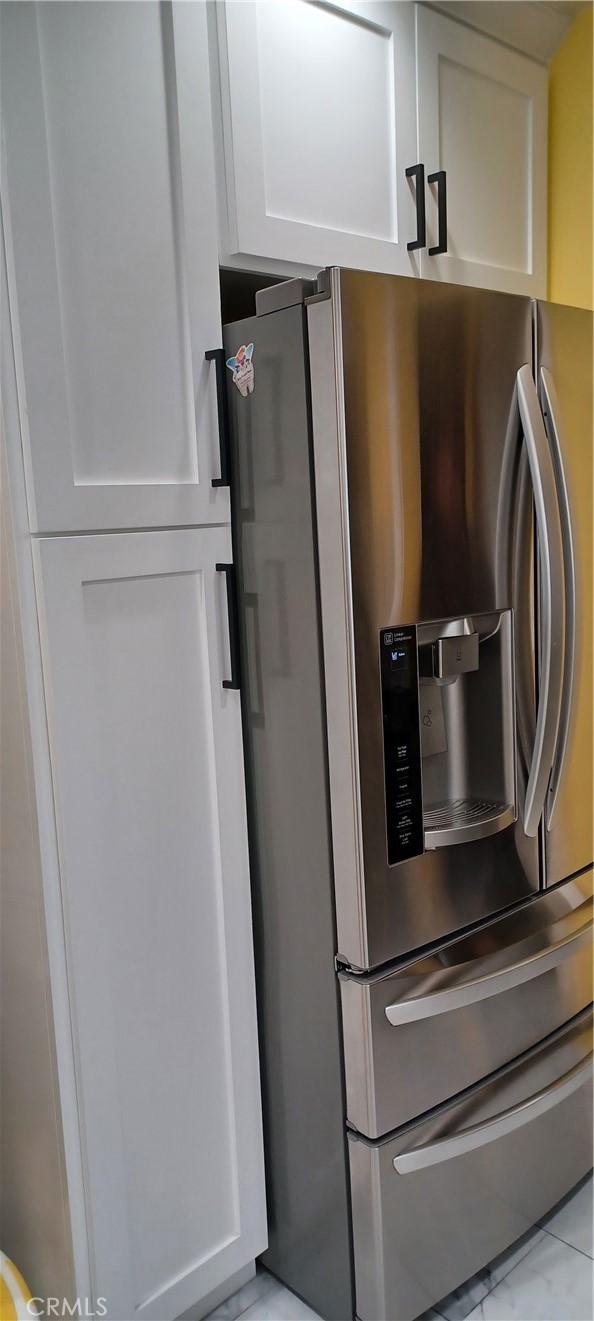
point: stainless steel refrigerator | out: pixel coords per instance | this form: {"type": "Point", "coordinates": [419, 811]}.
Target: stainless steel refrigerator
{"type": "Point", "coordinates": [411, 471]}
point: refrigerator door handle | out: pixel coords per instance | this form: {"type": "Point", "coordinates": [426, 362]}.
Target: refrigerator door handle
{"type": "Point", "coordinates": [550, 409]}
{"type": "Point", "coordinates": [552, 597]}
{"type": "Point", "coordinates": [541, 958]}
{"type": "Point", "coordinates": [479, 1135]}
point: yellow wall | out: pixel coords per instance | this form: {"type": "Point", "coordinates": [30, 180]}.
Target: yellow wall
{"type": "Point", "coordinates": [570, 167]}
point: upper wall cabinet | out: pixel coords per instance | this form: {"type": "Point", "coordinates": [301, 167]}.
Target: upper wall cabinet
{"type": "Point", "coordinates": [110, 225]}
{"type": "Point", "coordinates": [319, 128]}
{"type": "Point", "coordinates": [482, 112]}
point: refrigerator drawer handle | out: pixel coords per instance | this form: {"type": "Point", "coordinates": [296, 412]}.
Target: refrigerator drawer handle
{"type": "Point", "coordinates": [480, 1135]}
{"type": "Point", "coordinates": [491, 983]}
{"type": "Point", "coordinates": [417, 172]}
{"type": "Point", "coordinates": [550, 546]}
{"type": "Point", "coordinates": [550, 408]}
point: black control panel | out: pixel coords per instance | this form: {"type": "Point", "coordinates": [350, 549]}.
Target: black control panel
{"type": "Point", "coordinates": [402, 743]}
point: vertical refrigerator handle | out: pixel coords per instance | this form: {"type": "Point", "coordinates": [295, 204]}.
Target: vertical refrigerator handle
{"type": "Point", "coordinates": [550, 409]}
{"type": "Point", "coordinates": [552, 597]}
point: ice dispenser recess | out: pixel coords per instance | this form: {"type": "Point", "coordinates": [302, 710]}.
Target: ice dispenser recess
{"type": "Point", "coordinates": [448, 706]}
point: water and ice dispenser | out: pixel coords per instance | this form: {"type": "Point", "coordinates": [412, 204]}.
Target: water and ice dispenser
{"type": "Point", "coordinates": [449, 731]}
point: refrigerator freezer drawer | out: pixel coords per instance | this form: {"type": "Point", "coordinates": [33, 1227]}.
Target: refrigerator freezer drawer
{"type": "Point", "coordinates": [416, 1036]}
{"type": "Point", "coordinates": [434, 1204]}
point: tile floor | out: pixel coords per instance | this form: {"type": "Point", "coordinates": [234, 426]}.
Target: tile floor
{"type": "Point", "coordinates": [546, 1276]}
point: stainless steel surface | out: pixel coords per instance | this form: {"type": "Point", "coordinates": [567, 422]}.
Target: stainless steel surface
{"type": "Point", "coordinates": [564, 349]}
{"type": "Point", "coordinates": [462, 819]}
{"type": "Point", "coordinates": [552, 598]}
{"type": "Point", "coordinates": [290, 852]}
{"type": "Point", "coordinates": [456, 655]}
{"type": "Point", "coordinates": [414, 427]}
{"type": "Point", "coordinates": [492, 1130]}
{"type": "Point", "coordinates": [418, 1033]}
{"type": "Point", "coordinates": [541, 957]}
{"type": "Point", "coordinates": [337, 624]}
{"type": "Point", "coordinates": [381, 481]}
{"type": "Point", "coordinates": [550, 408]}
{"type": "Point", "coordinates": [289, 293]}
{"type": "Point", "coordinates": [418, 1235]}
{"type": "Point", "coordinates": [35, 1228]}
{"type": "Point", "coordinates": [469, 777]}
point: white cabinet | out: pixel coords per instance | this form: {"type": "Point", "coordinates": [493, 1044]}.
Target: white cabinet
{"type": "Point", "coordinates": [319, 128]}
{"type": "Point", "coordinates": [110, 221]}
{"type": "Point", "coordinates": [325, 106]}
{"type": "Point", "coordinates": [482, 112]}
{"type": "Point", "coordinates": [147, 771]}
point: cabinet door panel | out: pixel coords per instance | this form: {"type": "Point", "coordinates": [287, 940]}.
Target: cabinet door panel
{"type": "Point", "coordinates": [316, 173]}
{"type": "Point", "coordinates": [148, 781]}
{"type": "Point", "coordinates": [112, 241]}
{"type": "Point", "coordinates": [482, 119]}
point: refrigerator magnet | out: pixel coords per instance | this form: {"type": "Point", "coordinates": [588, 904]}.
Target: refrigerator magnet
{"type": "Point", "coordinates": [243, 369]}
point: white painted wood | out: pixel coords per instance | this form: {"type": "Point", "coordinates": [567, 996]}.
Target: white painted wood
{"type": "Point", "coordinates": [318, 130]}
{"type": "Point", "coordinates": [482, 117]}
{"type": "Point", "coordinates": [109, 177]}
{"type": "Point", "coordinates": [533, 27]}
{"type": "Point", "coordinates": [148, 784]}
{"type": "Point", "coordinates": [32, 680]}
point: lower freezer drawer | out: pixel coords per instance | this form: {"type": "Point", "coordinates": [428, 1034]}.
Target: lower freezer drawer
{"type": "Point", "coordinates": [436, 1202]}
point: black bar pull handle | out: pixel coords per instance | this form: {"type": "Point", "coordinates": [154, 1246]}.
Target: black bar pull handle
{"type": "Point", "coordinates": [442, 212]}
{"type": "Point", "coordinates": [218, 357]}
{"type": "Point", "coordinates": [231, 582]}
{"type": "Point", "coordinates": [417, 172]}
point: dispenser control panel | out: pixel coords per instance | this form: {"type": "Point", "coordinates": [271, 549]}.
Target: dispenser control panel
{"type": "Point", "coordinates": [402, 743]}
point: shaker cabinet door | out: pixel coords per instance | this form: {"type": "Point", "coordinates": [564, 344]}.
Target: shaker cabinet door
{"type": "Point", "coordinates": [483, 120]}
{"type": "Point", "coordinates": [319, 129]}
{"type": "Point", "coordinates": [110, 222]}
{"type": "Point", "coordinates": [148, 782]}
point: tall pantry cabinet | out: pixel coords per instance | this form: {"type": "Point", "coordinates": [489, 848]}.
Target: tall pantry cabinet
{"type": "Point", "coordinates": [145, 1018]}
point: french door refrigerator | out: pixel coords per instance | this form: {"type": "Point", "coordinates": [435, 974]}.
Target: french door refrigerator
{"type": "Point", "coordinates": [410, 466]}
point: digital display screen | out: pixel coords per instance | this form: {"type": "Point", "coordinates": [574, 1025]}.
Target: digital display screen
{"type": "Point", "coordinates": [402, 743]}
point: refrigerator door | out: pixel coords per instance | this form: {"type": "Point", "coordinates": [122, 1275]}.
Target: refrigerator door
{"type": "Point", "coordinates": [564, 380]}
{"type": "Point", "coordinates": [423, 513]}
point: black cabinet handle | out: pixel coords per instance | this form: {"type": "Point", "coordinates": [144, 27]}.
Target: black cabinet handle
{"type": "Point", "coordinates": [442, 212]}
{"type": "Point", "coordinates": [231, 582]}
{"type": "Point", "coordinates": [418, 173]}
{"type": "Point", "coordinates": [218, 357]}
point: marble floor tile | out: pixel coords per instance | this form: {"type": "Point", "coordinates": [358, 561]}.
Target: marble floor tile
{"type": "Point", "coordinates": [553, 1282]}
{"type": "Point", "coordinates": [573, 1219]}
{"type": "Point", "coordinates": [279, 1304]}
{"type": "Point", "coordinates": [239, 1302]}
{"type": "Point", "coordinates": [459, 1304]}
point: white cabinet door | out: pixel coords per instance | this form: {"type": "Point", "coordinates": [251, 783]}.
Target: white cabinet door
{"type": "Point", "coordinates": [483, 119]}
{"type": "Point", "coordinates": [148, 780]}
{"type": "Point", "coordinates": [109, 201]}
{"type": "Point", "coordinates": [319, 128]}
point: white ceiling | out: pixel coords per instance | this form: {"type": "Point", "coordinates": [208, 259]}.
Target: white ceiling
{"type": "Point", "coordinates": [536, 27]}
